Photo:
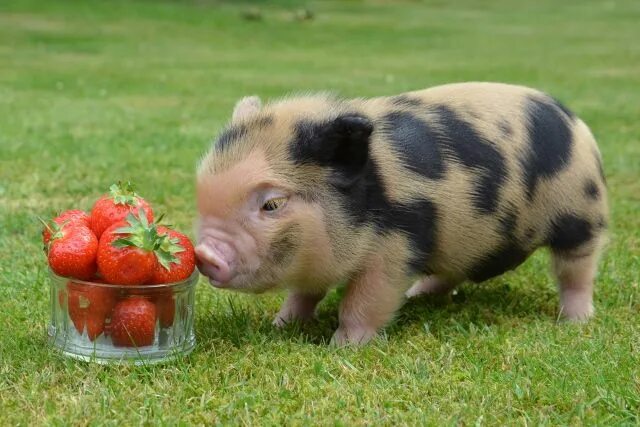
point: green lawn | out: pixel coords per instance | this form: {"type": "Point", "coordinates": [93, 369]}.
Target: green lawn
{"type": "Point", "coordinates": [92, 92]}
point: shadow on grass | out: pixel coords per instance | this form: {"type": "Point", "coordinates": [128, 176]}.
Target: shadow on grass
{"type": "Point", "coordinates": [471, 307]}
{"type": "Point", "coordinates": [478, 306]}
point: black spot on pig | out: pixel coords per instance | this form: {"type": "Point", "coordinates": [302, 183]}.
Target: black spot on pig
{"type": "Point", "coordinates": [231, 135]}
{"type": "Point", "coordinates": [529, 234]}
{"type": "Point", "coordinates": [366, 202]}
{"type": "Point", "coordinates": [569, 232]}
{"type": "Point", "coordinates": [549, 142]}
{"type": "Point", "coordinates": [460, 140]}
{"type": "Point", "coordinates": [424, 149]}
{"type": "Point", "coordinates": [363, 198]}
{"type": "Point", "coordinates": [562, 108]}
{"type": "Point", "coordinates": [341, 144]}
{"type": "Point", "coordinates": [418, 221]}
{"type": "Point", "coordinates": [508, 224]}
{"type": "Point", "coordinates": [591, 189]}
{"type": "Point", "coordinates": [237, 132]}
{"type": "Point", "coordinates": [405, 101]}
{"type": "Point", "coordinates": [506, 258]}
{"type": "Point", "coordinates": [415, 142]}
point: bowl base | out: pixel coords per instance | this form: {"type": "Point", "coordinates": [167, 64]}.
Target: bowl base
{"type": "Point", "coordinates": [102, 352]}
{"type": "Point", "coordinates": [140, 361]}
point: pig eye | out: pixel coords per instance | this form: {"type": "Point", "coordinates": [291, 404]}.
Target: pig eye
{"type": "Point", "coordinates": [274, 204]}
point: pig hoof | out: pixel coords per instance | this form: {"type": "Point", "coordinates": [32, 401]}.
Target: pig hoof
{"type": "Point", "coordinates": [576, 305]}
{"type": "Point", "coordinates": [279, 322]}
{"type": "Point", "coordinates": [430, 285]}
{"type": "Point", "coordinates": [355, 337]}
{"type": "Point", "coordinates": [577, 316]}
{"type": "Point", "coordinates": [577, 309]}
{"type": "Point", "coordinates": [283, 320]}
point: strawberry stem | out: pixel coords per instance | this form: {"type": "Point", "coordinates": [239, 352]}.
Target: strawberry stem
{"type": "Point", "coordinates": [124, 194]}
{"type": "Point", "coordinates": [54, 229]}
{"type": "Point", "coordinates": [140, 234]}
{"type": "Point", "coordinates": [46, 225]}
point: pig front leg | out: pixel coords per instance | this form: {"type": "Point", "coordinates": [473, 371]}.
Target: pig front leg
{"type": "Point", "coordinates": [298, 306]}
{"type": "Point", "coordinates": [370, 302]}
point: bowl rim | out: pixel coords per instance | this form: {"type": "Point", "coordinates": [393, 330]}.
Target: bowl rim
{"type": "Point", "coordinates": [189, 281]}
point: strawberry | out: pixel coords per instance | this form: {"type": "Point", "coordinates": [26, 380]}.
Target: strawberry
{"type": "Point", "coordinates": [176, 257]}
{"type": "Point", "coordinates": [115, 206]}
{"type": "Point", "coordinates": [166, 308]}
{"type": "Point", "coordinates": [89, 306]}
{"type": "Point", "coordinates": [133, 323]}
{"type": "Point", "coordinates": [126, 251]}
{"type": "Point", "coordinates": [95, 325]}
{"type": "Point", "coordinates": [67, 218]}
{"type": "Point", "coordinates": [176, 262]}
{"type": "Point", "coordinates": [72, 252]}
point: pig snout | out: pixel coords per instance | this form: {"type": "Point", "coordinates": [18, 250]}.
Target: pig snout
{"type": "Point", "coordinates": [216, 260]}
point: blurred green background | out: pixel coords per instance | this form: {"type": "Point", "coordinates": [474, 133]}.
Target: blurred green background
{"type": "Point", "coordinates": [96, 91]}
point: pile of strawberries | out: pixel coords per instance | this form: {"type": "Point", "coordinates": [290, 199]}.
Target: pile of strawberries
{"type": "Point", "coordinates": [118, 243]}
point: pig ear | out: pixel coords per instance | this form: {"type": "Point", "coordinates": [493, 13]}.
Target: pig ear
{"type": "Point", "coordinates": [247, 106]}
{"type": "Point", "coordinates": [342, 145]}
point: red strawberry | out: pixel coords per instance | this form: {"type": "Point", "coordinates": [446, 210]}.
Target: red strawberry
{"type": "Point", "coordinates": [89, 306]}
{"type": "Point", "coordinates": [126, 251]}
{"type": "Point", "coordinates": [176, 257]}
{"type": "Point", "coordinates": [115, 206]}
{"type": "Point", "coordinates": [67, 218]}
{"type": "Point", "coordinates": [133, 323]}
{"type": "Point", "coordinates": [166, 307]}
{"type": "Point", "coordinates": [95, 325]}
{"type": "Point", "coordinates": [72, 252]}
{"type": "Point", "coordinates": [176, 262]}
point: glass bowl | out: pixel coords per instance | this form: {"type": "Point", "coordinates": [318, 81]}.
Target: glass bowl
{"type": "Point", "coordinates": [81, 320]}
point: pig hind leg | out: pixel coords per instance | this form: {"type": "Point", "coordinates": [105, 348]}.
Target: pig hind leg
{"type": "Point", "coordinates": [575, 272]}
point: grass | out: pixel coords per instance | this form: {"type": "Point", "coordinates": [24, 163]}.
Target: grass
{"type": "Point", "coordinates": [92, 92]}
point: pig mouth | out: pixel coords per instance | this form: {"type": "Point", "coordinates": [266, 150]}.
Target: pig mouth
{"type": "Point", "coordinates": [242, 283]}
{"type": "Point", "coordinates": [236, 280]}
{"type": "Point", "coordinates": [249, 289]}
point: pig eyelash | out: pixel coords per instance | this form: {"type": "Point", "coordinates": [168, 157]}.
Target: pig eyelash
{"type": "Point", "coordinates": [274, 204]}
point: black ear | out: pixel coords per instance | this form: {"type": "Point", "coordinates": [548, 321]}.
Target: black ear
{"type": "Point", "coordinates": [341, 144]}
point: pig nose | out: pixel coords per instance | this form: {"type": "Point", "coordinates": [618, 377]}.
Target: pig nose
{"type": "Point", "coordinates": [212, 263]}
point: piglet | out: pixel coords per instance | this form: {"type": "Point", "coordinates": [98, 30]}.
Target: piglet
{"type": "Point", "coordinates": [399, 196]}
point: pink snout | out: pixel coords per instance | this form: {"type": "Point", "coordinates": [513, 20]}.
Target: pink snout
{"type": "Point", "coordinates": [216, 260]}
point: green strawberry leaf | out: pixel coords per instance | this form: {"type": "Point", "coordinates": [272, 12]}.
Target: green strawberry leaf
{"type": "Point", "coordinates": [123, 194]}
{"type": "Point", "coordinates": [159, 219]}
{"type": "Point", "coordinates": [166, 250]}
{"type": "Point", "coordinates": [45, 223]}
{"type": "Point", "coordinates": [165, 259]}
{"type": "Point", "coordinates": [55, 231]}
{"type": "Point", "coordinates": [143, 218]}
{"type": "Point", "coordinates": [144, 235]}
{"type": "Point", "coordinates": [52, 228]}
{"type": "Point", "coordinates": [173, 246]}
{"type": "Point", "coordinates": [124, 230]}
{"type": "Point", "coordinates": [123, 242]}
{"type": "Point", "coordinates": [132, 219]}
